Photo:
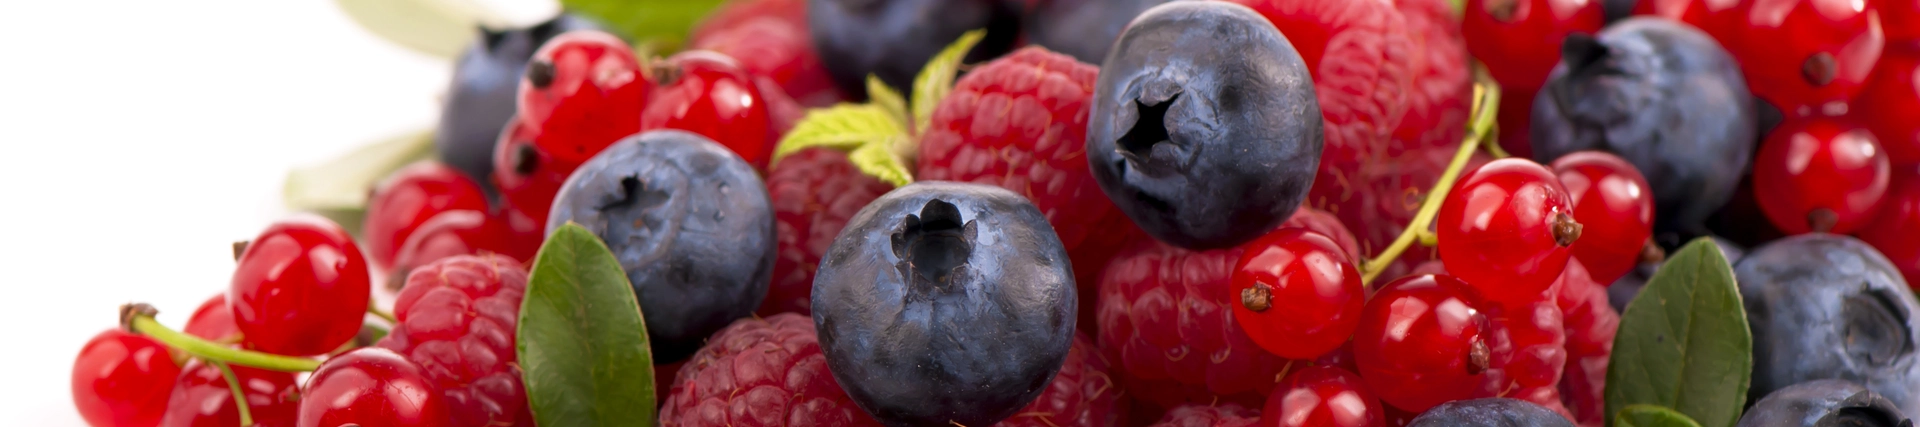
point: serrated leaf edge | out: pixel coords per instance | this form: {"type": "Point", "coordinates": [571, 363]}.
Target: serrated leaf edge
{"type": "Point", "coordinates": [879, 161]}
{"type": "Point", "coordinates": [844, 127]}
{"type": "Point", "coordinates": [935, 80]}
{"type": "Point", "coordinates": [885, 97]}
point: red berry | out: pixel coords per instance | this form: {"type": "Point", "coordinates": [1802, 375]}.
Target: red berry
{"type": "Point", "coordinates": [1615, 208]}
{"type": "Point", "coordinates": [770, 39]}
{"type": "Point", "coordinates": [1520, 39]}
{"type": "Point", "coordinates": [1710, 16]}
{"type": "Point", "coordinates": [1820, 174]}
{"type": "Point", "coordinates": [1327, 225]}
{"type": "Point", "coordinates": [1362, 59]}
{"type": "Point", "coordinates": [1296, 293]}
{"type": "Point", "coordinates": [1205, 415]}
{"type": "Point", "coordinates": [526, 175]}
{"type": "Point", "coordinates": [1893, 230]}
{"type": "Point", "coordinates": [709, 94]}
{"type": "Point", "coordinates": [371, 387]}
{"type": "Point", "coordinates": [760, 372]}
{"type": "Point", "coordinates": [1420, 342]}
{"type": "Point", "coordinates": [1901, 19]}
{"type": "Point", "coordinates": [301, 288]}
{"type": "Point", "coordinates": [525, 232]}
{"type": "Point", "coordinates": [202, 398]}
{"type": "Point", "coordinates": [583, 90]}
{"type": "Point", "coordinates": [1803, 54]}
{"type": "Point", "coordinates": [1442, 86]}
{"type": "Point", "coordinates": [1082, 394]}
{"type": "Point", "coordinates": [457, 322]}
{"type": "Point", "coordinates": [1891, 97]}
{"type": "Point", "coordinates": [1163, 315]}
{"type": "Point", "coordinates": [451, 233]}
{"type": "Point", "coordinates": [1322, 397]}
{"type": "Point", "coordinates": [122, 379]}
{"type": "Point", "coordinates": [1527, 342]}
{"type": "Point", "coordinates": [1590, 326]}
{"type": "Point", "coordinates": [408, 198]}
{"type": "Point", "coordinates": [1516, 120]}
{"type": "Point", "coordinates": [213, 321]}
{"type": "Point", "coordinates": [814, 192]}
{"type": "Point", "coordinates": [1506, 228]}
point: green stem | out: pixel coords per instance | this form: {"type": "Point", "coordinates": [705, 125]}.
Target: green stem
{"type": "Point", "coordinates": [239, 396]}
{"type": "Point", "coordinates": [143, 323]}
{"type": "Point", "coordinates": [382, 314]}
{"type": "Point", "coordinates": [1486, 105]}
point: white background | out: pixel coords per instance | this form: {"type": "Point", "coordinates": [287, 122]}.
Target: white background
{"type": "Point", "coordinates": [139, 138]}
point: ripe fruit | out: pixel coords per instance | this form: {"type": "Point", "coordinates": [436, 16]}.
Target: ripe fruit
{"type": "Point", "coordinates": [1204, 142]}
{"type": "Point", "coordinates": [371, 387]}
{"type": "Point", "coordinates": [1715, 17]}
{"type": "Point", "coordinates": [1689, 125]}
{"type": "Point", "coordinates": [1505, 228]}
{"type": "Point", "coordinates": [202, 398]}
{"type": "Point", "coordinates": [761, 372]}
{"type": "Point", "coordinates": [528, 177]}
{"type": "Point", "coordinates": [1893, 89]}
{"type": "Point", "coordinates": [945, 302]}
{"type": "Point", "coordinates": [1489, 412]}
{"type": "Point", "coordinates": [1826, 306]}
{"type": "Point", "coordinates": [213, 321]}
{"type": "Point", "coordinates": [1521, 38]}
{"type": "Point", "coordinates": [1893, 229]}
{"type": "Point", "coordinates": [1083, 394]}
{"type": "Point", "coordinates": [1297, 293]}
{"type": "Point", "coordinates": [1527, 343]}
{"type": "Point", "coordinates": [1322, 396]}
{"type": "Point", "coordinates": [691, 224]}
{"type": "Point", "coordinates": [1822, 403]}
{"type": "Point", "coordinates": [583, 91]}
{"type": "Point", "coordinates": [894, 39]}
{"type": "Point", "coordinates": [814, 192]}
{"type": "Point", "coordinates": [770, 39]}
{"type": "Point", "coordinates": [481, 97]}
{"type": "Point", "coordinates": [449, 234]}
{"type": "Point", "coordinates": [1420, 342]}
{"type": "Point", "coordinates": [457, 322]}
{"type": "Point", "coordinates": [1820, 174]}
{"type": "Point", "coordinates": [408, 198]}
{"type": "Point", "coordinates": [709, 94]}
{"type": "Point", "coordinates": [1164, 314]}
{"type": "Point", "coordinates": [1615, 209]}
{"type": "Point", "coordinates": [301, 288]}
{"type": "Point", "coordinates": [122, 379]}
{"type": "Point", "coordinates": [1084, 29]}
{"type": "Point", "coordinates": [1801, 55]}
{"type": "Point", "coordinates": [1442, 81]}
{"type": "Point", "coordinates": [1225, 415]}
{"type": "Point", "coordinates": [1591, 324]}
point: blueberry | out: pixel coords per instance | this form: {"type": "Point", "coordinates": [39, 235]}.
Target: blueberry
{"type": "Point", "coordinates": [1616, 10]}
{"type": "Point", "coordinates": [944, 303]}
{"type": "Point", "coordinates": [691, 224]}
{"type": "Point", "coordinates": [1205, 129]}
{"type": "Point", "coordinates": [1489, 412]}
{"type": "Point", "coordinates": [1824, 403]}
{"type": "Point", "coordinates": [1084, 29]}
{"type": "Point", "coordinates": [894, 39]}
{"type": "Point", "coordinates": [1662, 95]}
{"type": "Point", "coordinates": [481, 97]}
{"type": "Point", "coordinates": [1622, 291]}
{"type": "Point", "coordinates": [1823, 306]}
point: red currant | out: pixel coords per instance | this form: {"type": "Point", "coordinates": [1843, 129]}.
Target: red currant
{"type": "Point", "coordinates": [708, 93]}
{"type": "Point", "coordinates": [1615, 208]}
{"type": "Point", "coordinates": [213, 321]}
{"type": "Point", "coordinates": [526, 174]}
{"type": "Point", "coordinates": [584, 90]}
{"type": "Point", "coordinates": [1893, 231]}
{"type": "Point", "coordinates": [1419, 342]}
{"type": "Point", "coordinates": [409, 197]}
{"type": "Point", "coordinates": [1297, 294]}
{"type": "Point", "coordinates": [301, 288]}
{"type": "Point", "coordinates": [1819, 174]}
{"type": "Point", "coordinates": [1901, 19]}
{"type": "Point", "coordinates": [1801, 55]}
{"type": "Point", "coordinates": [1707, 15]}
{"type": "Point", "coordinates": [122, 379]}
{"type": "Point", "coordinates": [202, 398]}
{"type": "Point", "coordinates": [1888, 103]}
{"type": "Point", "coordinates": [1506, 228]}
{"type": "Point", "coordinates": [1322, 396]}
{"type": "Point", "coordinates": [1516, 121]}
{"type": "Point", "coordinates": [1520, 39]}
{"type": "Point", "coordinates": [525, 232]}
{"type": "Point", "coordinates": [451, 233]}
{"type": "Point", "coordinates": [371, 387]}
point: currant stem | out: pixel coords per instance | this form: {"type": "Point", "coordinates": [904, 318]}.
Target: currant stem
{"type": "Point", "coordinates": [233, 386]}
{"type": "Point", "coordinates": [1486, 97]}
{"type": "Point", "coordinates": [142, 322]}
{"type": "Point", "coordinates": [382, 314]}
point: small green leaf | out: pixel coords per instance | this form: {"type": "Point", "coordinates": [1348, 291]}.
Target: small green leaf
{"type": "Point", "coordinates": [341, 185]}
{"type": "Point", "coordinates": [440, 28]}
{"type": "Point", "coordinates": [843, 127]}
{"type": "Point", "coordinates": [1683, 342]}
{"type": "Point", "coordinates": [582, 342]}
{"type": "Point", "coordinates": [936, 80]}
{"type": "Point", "coordinates": [880, 162]}
{"type": "Point", "coordinates": [883, 96]}
{"type": "Point", "coordinates": [1651, 416]}
{"type": "Point", "coordinates": [664, 23]}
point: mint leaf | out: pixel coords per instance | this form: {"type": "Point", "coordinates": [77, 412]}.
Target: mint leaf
{"type": "Point", "coordinates": [1683, 342]}
{"type": "Point", "coordinates": [440, 28]}
{"type": "Point", "coordinates": [664, 23]}
{"type": "Point", "coordinates": [935, 81]}
{"type": "Point", "coordinates": [883, 96]}
{"type": "Point", "coordinates": [582, 344]}
{"type": "Point", "coordinates": [1651, 416]}
{"type": "Point", "coordinates": [844, 127]}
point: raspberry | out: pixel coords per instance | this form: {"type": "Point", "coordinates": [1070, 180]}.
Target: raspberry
{"type": "Point", "coordinates": [760, 372]}
{"type": "Point", "coordinates": [1590, 325]}
{"type": "Point", "coordinates": [1328, 225]}
{"type": "Point", "coordinates": [457, 321]}
{"type": "Point", "coordinates": [770, 39]}
{"type": "Point", "coordinates": [1528, 343]}
{"type": "Point", "coordinates": [1228, 415]}
{"type": "Point", "coordinates": [814, 192]}
{"type": "Point", "coordinates": [1164, 317]}
{"type": "Point", "coordinates": [1081, 395]}
{"type": "Point", "coordinates": [408, 198]}
{"type": "Point", "coordinates": [1437, 101]}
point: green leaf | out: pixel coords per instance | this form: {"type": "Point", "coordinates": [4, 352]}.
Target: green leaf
{"type": "Point", "coordinates": [339, 187]}
{"type": "Point", "coordinates": [1651, 416]}
{"type": "Point", "coordinates": [664, 23]}
{"type": "Point", "coordinates": [936, 80]}
{"type": "Point", "coordinates": [879, 161]}
{"type": "Point", "coordinates": [883, 96]}
{"type": "Point", "coordinates": [440, 28]}
{"type": "Point", "coordinates": [1683, 342]}
{"type": "Point", "coordinates": [582, 343]}
{"type": "Point", "coordinates": [843, 127]}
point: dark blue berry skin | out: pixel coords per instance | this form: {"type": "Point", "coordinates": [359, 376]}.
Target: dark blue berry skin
{"type": "Point", "coordinates": [1823, 306]}
{"type": "Point", "coordinates": [1489, 412]}
{"type": "Point", "coordinates": [480, 99]}
{"type": "Point", "coordinates": [1205, 129]}
{"type": "Point", "coordinates": [1824, 403]}
{"type": "Point", "coordinates": [691, 224]}
{"type": "Point", "coordinates": [945, 303]}
{"type": "Point", "coordinates": [894, 39]}
{"type": "Point", "coordinates": [1622, 291]}
{"type": "Point", "coordinates": [1084, 29]}
{"type": "Point", "coordinates": [1616, 10]}
{"type": "Point", "coordinates": [1662, 95]}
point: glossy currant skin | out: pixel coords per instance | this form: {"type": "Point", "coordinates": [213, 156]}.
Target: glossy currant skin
{"type": "Point", "coordinates": [410, 197]}
{"type": "Point", "coordinates": [707, 93]}
{"type": "Point", "coordinates": [122, 379]}
{"type": "Point", "coordinates": [1506, 228]}
{"type": "Point", "coordinates": [1615, 208]}
{"type": "Point", "coordinates": [1296, 293]}
{"type": "Point", "coordinates": [1522, 38]}
{"type": "Point", "coordinates": [1893, 229]}
{"type": "Point", "coordinates": [1820, 174]}
{"type": "Point", "coordinates": [213, 321]}
{"type": "Point", "coordinates": [528, 176]}
{"type": "Point", "coordinates": [482, 94]}
{"type": "Point", "coordinates": [371, 387]}
{"type": "Point", "coordinates": [584, 90]}
{"type": "Point", "coordinates": [1803, 54]}
{"type": "Point", "coordinates": [451, 233]}
{"type": "Point", "coordinates": [301, 288]}
{"type": "Point", "coordinates": [202, 398]}
{"type": "Point", "coordinates": [1891, 97]}
{"type": "Point", "coordinates": [1420, 342]}
{"type": "Point", "coordinates": [1322, 396]}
